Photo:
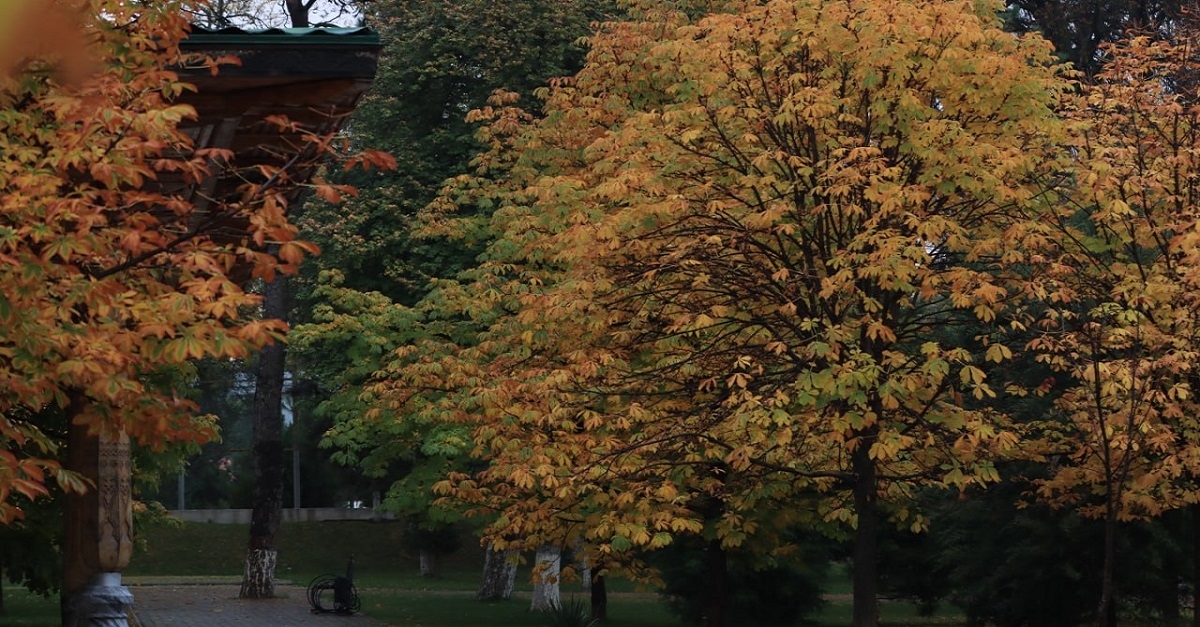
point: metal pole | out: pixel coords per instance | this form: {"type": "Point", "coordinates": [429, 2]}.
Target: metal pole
{"type": "Point", "coordinates": [295, 458]}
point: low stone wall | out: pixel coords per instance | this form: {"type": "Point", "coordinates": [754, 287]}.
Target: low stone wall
{"type": "Point", "coordinates": [303, 514]}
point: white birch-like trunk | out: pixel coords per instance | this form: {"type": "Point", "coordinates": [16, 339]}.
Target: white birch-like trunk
{"type": "Point", "coordinates": [428, 562]}
{"type": "Point", "coordinates": [547, 566]}
{"type": "Point", "coordinates": [258, 582]}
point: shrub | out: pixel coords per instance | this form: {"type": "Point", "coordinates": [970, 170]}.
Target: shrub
{"type": "Point", "coordinates": [572, 613]}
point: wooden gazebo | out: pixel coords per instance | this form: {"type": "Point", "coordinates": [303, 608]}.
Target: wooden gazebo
{"type": "Point", "coordinates": [314, 77]}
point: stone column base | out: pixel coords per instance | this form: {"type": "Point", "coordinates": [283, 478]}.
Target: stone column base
{"type": "Point", "coordinates": [103, 602]}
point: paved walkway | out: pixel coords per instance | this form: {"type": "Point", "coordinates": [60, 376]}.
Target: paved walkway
{"type": "Point", "coordinates": [191, 604]}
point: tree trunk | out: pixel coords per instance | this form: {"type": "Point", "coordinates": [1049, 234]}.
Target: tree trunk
{"type": "Point", "coordinates": [499, 576]}
{"type": "Point", "coordinates": [716, 602]}
{"type": "Point", "coordinates": [599, 597]}
{"type": "Point", "coordinates": [866, 534]}
{"type": "Point", "coordinates": [259, 579]}
{"type": "Point", "coordinates": [297, 13]}
{"type": "Point", "coordinates": [1106, 610]}
{"type": "Point", "coordinates": [585, 573]}
{"type": "Point", "coordinates": [428, 560]}
{"type": "Point", "coordinates": [1168, 600]}
{"type": "Point", "coordinates": [547, 565]}
{"type": "Point", "coordinates": [1195, 512]}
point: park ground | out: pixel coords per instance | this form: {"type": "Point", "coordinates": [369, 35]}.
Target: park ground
{"type": "Point", "coordinates": [389, 584]}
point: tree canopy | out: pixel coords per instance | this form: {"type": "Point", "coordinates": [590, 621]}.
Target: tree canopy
{"type": "Point", "coordinates": [440, 61]}
{"type": "Point", "coordinates": [110, 275]}
{"type": "Point", "coordinates": [743, 274]}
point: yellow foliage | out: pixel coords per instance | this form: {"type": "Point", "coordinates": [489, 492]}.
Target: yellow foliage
{"type": "Point", "coordinates": [1124, 279]}
{"type": "Point", "coordinates": [772, 218]}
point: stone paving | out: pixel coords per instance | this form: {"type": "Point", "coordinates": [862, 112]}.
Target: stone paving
{"type": "Point", "coordinates": [217, 605]}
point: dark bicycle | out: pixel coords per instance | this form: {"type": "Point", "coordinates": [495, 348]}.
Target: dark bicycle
{"type": "Point", "coordinates": [334, 593]}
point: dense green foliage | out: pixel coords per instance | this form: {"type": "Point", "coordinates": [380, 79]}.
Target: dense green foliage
{"type": "Point", "coordinates": [441, 60]}
{"type": "Point", "coordinates": [763, 591]}
{"type": "Point", "coordinates": [1080, 28]}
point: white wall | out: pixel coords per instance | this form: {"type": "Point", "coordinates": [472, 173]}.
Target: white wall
{"type": "Point", "coordinates": [304, 514]}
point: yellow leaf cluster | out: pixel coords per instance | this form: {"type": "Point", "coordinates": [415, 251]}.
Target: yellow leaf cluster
{"type": "Point", "coordinates": [729, 265]}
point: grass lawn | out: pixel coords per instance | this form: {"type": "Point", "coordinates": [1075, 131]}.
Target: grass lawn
{"type": "Point", "coordinates": [391, 589]}
{"type": "Point", "coordinates": [25, 609]}
{"type": "Point", "coordinates": [432, 609]}
{"type": "Point", "coordinates": [415, 609]}
{"type": "Point", "coordinates": [305, 551]}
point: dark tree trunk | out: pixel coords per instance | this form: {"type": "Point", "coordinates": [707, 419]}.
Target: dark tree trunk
{"type": "Point", "coordinates": [599, 597]}
{"type": "Point", "coordinates": [716, 564]}
{"type": "Point", "coordinates": [499, 577]}
{"type": "Point", "coordinates": [1106, 615]}
{"type": "Point", "coordinates": [259, 579]}
{"type": "Point", "coordinates": [1195, 512]}
{"type": "Point", "coordinates": [1167, 601]}
{"type": "Point", "coordinates": [866, 535]}
{"type": "Point", "coordinates": [298, 12]}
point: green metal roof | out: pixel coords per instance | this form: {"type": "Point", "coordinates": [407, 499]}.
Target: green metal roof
{"type": "Point", "coordinates": [210, 39]}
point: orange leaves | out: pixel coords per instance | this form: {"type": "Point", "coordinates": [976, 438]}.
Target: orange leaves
{"type": "Point", "coordinates": [22, 469]}
{"type": "Point", "coordinates": [184, 348]}
{"type": "Point", "coordinates": [118, 263]}
{"type": "Point", "coordinates": [259, 332]}
{"type": "Point", "coordinates": [282, 123]}
{"type": "Point", "coordinates": [1122, 335]}
{"type": "Point", "coordinates": [293, 252]}
{"type": "Point", "coordinates": [330, 193]}
{"type": "Point", "coordinates": [214, 63]}
{"type": "Point", "coordinates": [368, 159]}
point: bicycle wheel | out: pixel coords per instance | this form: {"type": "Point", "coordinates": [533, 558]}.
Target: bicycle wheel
{"type": "Point", "coordinates": [320, 593]}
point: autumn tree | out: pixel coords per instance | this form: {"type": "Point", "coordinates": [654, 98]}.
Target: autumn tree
{"type": "Point", "coordinates": [440, 60]}
{"type": "Point", "coordinates": [112, 275]}
{"type": "Point", "coordinates": [269, 470]}
{"type": "Point", "coordinates": [723, 262]}
{"type": "Point", "coordinates": [109, 276]}
{"type": "Point", "coordinates": [1121, 319]}
{"type": "Point", "coordinates": [120, 263]}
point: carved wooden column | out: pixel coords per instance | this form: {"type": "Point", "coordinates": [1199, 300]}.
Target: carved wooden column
{"type": "Point", "coordinates": [99, 532]}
